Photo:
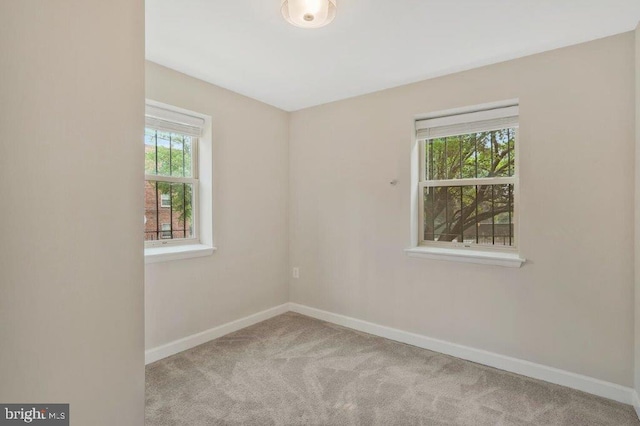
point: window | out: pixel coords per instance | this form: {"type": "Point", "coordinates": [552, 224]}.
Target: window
{"type": "Point", "coordinates": [171, 177]}
{"type": "Point", "coordinates": [468, 180]}
{"type": "Point", "coordinates": [166, 230]}
{"type": "Point", "coordinates": [165, 200]}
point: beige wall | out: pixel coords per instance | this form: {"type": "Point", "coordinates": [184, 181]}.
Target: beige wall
{"type": "Point", "coordinates": [571, 305]}
{"type": "Point", "coordinates": [71, 264]}
{"type": "Point", "coordinates": [248, 272]}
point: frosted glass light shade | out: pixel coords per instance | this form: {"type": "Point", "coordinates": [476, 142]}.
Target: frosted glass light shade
{"type": "Point", "coordinates": [309, 13]}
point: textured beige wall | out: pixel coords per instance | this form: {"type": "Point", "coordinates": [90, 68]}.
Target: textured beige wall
{"type": "Point", "coordinates": [248, 272]}
{"type": "Point", "coordinates": [571, 305]}
{"type": "Point", "coordinates": [71, 263]}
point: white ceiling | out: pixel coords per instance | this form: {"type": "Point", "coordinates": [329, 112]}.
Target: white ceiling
{"type": "Point", "coordinates": [246, 46]}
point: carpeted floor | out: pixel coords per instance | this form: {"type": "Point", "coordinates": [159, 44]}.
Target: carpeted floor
{"type": "Point", "coordinates": [295, 370]}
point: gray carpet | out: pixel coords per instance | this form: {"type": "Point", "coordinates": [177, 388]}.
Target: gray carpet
{"type": "Point", "coordinates": [295, 370]}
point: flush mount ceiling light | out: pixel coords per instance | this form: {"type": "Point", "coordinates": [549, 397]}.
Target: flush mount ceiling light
{"type": "Point", "coordinates": [309, 13]}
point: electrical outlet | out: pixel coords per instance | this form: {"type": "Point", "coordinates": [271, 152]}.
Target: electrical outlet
{"type": "Point", "coordinates": [296, 272]}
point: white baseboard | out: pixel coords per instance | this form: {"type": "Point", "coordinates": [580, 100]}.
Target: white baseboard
{"type": "Point", "coordinates": [537, 371]}
{"type": "Point", "coordinates": [172, 348]}
{"type": "Point", "coordinates": [636, 403]}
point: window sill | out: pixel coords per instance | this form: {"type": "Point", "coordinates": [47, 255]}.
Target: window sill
{"type": "Point", "coordinates": [165, 254]}
{"type": "Point", "coordinates": [511, 260]}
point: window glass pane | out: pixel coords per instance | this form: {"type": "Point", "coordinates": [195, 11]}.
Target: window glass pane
{"type": "Point", "coordinates": [442, 208]}
{"type": "Point", "coordinates": [483, 154]}
{"type": "Point", "coordinates": [430, 218]}
{"type": "Point", "coordinates": [150, 151]}
{"type": "Point", "coordinates": [168, 154]}
{"type": "Point", "coordinates": [475, 155]}
{"type": "Point", "coordinates": [470, 214]}
{"type": "Point", "coordinates": [495, 153]}
{"type": "Point", "coordinates": [439, 211]}
{"type": "Point", "coordinates": [182, 213]}
{"type": "Point", "coordinates": [163, 153]}
{"type": "Point", "coordinates": [181, 155]}
{"type": "Point", "coordinates": [150, 211]}
{"type": "Point", "coordinates": [168, 210]}
{"type": "Point", "coordinates": [469, 227]}
{"type": "Point", "coordinates": [469, 156]}
{"type": "Point", "coordinates": [503, 215]}
{"type": "Point", "coordinates": [447, 158]}
{"type": "Point", "coordinates": [451, 231]}
{"type": "Point", "coordinates": [452, 151]}
{"type": "Point", "coordinates": [502, 151]}
{"type": "Point", "coordinates": [436, 159]}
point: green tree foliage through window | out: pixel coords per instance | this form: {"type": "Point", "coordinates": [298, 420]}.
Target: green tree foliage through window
{"type": "Point", "coordinates": [480, 213]}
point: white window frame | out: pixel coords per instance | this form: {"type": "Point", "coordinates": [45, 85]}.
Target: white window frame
{"type": "Point", "coordinates": [462, 118]}
{"type": "Point", "coordinates": [167, 117]}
